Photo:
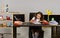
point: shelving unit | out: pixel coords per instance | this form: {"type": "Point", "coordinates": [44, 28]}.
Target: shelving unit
{"type": "Point", "coordinates": [8, 29]}
{"type": "Point", "coordinates": [6, 25]}
{"type": "Point", "coordinates": [6, 18]}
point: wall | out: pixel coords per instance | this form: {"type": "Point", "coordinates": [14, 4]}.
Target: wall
{"type": "Point", "coordinates": [27, 6]}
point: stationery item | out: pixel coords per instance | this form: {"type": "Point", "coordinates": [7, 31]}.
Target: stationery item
{"type": "Point", "coordinates": [37, 21]}
{"type": "Point", "coordinates": [1, 17]}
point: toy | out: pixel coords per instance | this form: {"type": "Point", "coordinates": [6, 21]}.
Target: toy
{"type": "Point", "coordinates": [45, 22]}
{"type": "Point", "coordinates": [17, 23]}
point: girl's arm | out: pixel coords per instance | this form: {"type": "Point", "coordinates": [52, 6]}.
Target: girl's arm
{"type": "Point", "coordinates": [45, 22]}
{"type": "Point", "coordinates": [32, 20]}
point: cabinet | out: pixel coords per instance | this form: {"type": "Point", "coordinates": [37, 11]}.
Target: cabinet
{"type": "Point", "coordinates": [6, 25]}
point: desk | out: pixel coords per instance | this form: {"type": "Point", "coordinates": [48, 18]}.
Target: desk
{"type": "Point", "coordinates": [28, 25]}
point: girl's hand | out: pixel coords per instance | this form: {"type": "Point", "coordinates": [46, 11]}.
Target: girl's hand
{"type": "Point", "coordinates": [41, 21]}
{"type": "Point", "coordinates": [32, 21]}
{"type": "Point", "coordinates": [45, 22]}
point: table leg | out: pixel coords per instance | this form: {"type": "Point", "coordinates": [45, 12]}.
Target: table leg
{"type": "Point", "coordinates": [54, 32]}
{"type": "Point", "coordinates": [14, 32]}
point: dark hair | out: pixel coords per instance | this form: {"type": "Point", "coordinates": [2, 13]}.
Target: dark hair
{"type": "Point", "coordinates": [40, 14]}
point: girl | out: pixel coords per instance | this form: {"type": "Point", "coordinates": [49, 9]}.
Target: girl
{"type": "Point", "coordinates": [36, 31]}
{"type": "Point", "coordinates": [38, 18]}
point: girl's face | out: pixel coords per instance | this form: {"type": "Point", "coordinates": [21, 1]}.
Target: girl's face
{"type": "Point", "coordinates": [38, 16]}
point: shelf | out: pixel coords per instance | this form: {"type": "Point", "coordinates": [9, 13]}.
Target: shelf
{"type": "Point", "coordinates": [5, 33]}
{"type": "Point", "coordinates": [7, 27]}
{"type": "Point", "coordinates": [6, 21]}
{"type": "Point", "coordinates": [6, 13]}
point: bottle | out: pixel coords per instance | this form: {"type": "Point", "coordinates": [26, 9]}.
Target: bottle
{"type": "Point", "coordinates": [7, 8]}
{"type": "Point", "coordinates": [7, 18]}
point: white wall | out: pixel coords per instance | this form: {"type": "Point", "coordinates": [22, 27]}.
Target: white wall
{"type": "Point", "coordinates": [33, 5]}
{"type": "Point", "coordinates": [27, 6]}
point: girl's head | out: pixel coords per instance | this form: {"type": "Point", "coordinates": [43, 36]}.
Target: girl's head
{"type": "Point", "coordinates": [39, 15]}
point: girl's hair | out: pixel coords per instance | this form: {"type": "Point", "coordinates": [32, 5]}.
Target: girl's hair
{"type": "Point", "coordinates": [41, 19]}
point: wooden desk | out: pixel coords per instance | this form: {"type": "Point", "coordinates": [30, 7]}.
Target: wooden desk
{"type": "Point", "coordinates": [28, 25]}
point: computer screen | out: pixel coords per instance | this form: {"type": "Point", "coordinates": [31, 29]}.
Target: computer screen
{"type": "Point", "coordinates": [19, 16]}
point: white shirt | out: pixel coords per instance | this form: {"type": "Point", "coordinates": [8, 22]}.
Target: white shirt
{"type": "Point", "coordinates": [36, 21]}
